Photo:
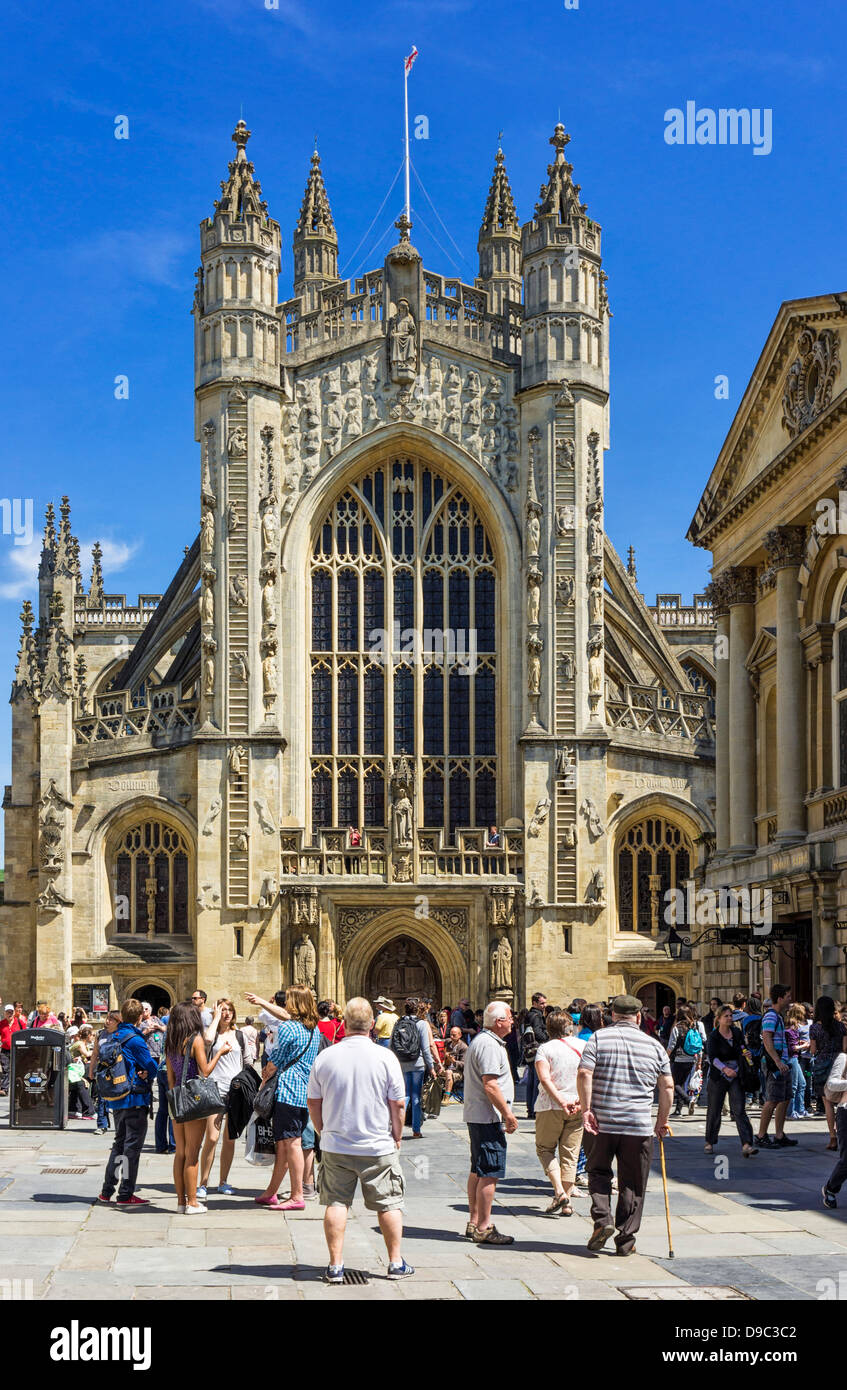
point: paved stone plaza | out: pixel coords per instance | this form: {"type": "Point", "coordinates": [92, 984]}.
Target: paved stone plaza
{"type": "Point", "coordinates": [760, 1228]}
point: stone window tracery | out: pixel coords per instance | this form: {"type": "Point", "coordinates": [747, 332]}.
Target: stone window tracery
{"type": "Point", "coordinates": [652, 857]}
{"type": "Point", "coordinates": [403, 583]}
{"type": "Point", "coordinates": [150, 877]}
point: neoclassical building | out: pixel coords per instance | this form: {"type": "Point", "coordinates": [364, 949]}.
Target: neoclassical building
{"type": "Point", "coordinates": [402, 720]}
{"type": "Point", "coordinates": [773, 515]}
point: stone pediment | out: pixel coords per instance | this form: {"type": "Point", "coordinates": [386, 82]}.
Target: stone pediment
{"type": "Point", "coordinates": [763, 650]}
{"type": "Point", "coordinates": [797, 379]}
{"type": "Point", "coordinates": [331, 405]}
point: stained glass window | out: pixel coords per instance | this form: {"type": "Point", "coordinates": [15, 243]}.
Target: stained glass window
{"type": "Point", "coordinates": [654, 848]}
{"type": "Point", "coordinates": [151, 880]}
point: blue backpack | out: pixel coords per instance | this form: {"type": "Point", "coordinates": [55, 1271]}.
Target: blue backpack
{"type": "Point", "coordinates": [115, 1070]}
{"type": "Point", "coordinates": [693, 1044]}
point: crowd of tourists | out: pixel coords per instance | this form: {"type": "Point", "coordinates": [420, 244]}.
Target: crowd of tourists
{"type": "Point", "coordinates": [325, 1094]}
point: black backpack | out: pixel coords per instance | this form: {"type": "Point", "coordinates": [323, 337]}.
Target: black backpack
{"type": "Point", "coordinates": [753, 1036]}
{"type": "Point", "coordinates": [405, 1040]}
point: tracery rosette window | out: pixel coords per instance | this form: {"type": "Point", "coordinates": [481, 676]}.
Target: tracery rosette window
{"type": "Point", "coordinates": [403, 652]}
{"type": "Point", "coordinates": [653, 857]}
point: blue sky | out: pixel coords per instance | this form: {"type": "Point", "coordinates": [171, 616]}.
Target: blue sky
{"type": "Point", "coordinates": [701, 244]}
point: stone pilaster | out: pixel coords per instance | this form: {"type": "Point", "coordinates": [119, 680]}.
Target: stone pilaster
{"type": "Point", "coordinates": [740, 596]}
{"type": "Point", "coordinates": [785, 546]}
{"type": "Point", "coordinates": [717, 593]}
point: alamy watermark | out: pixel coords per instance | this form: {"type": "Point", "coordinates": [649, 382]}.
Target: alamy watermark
{"type": "Point", "coordinates": [704, 125]}
{"type": "Point", "coordinates": [430, 646]}
{"type": "Point", "coordinates": [720, 907]}
{"type": "Point", "coordinates": [17, 519]}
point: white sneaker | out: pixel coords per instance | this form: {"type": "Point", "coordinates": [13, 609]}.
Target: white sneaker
{"type": "Point", "coordinates": [201, 1194]}
{"type": "Point", "coordinates": [180, 1211]}
{"type": "Point", "coordinates": [199, 1210]}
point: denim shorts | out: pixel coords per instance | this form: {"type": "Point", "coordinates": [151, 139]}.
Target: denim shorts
{"type": "Point", "coordinates": [488, 1150]}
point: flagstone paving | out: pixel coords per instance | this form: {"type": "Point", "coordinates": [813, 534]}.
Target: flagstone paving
{"type": "Point", "coordinates": [756, 1225]}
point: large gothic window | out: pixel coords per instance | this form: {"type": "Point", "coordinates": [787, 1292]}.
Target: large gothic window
{"type": "Point", "coordinates": [403, 618]}
{"type": "Point", "coordinates": [150, 875]}
{"type": "Point", "coordinates": [652, 857]}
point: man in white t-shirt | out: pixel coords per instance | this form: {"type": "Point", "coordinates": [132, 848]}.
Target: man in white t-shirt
{"type": "Point", "coordinates": [357, 1101]}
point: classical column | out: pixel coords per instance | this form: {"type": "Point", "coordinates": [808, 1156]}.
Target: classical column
{"type": "Point", "coordinates": [785, 546]}
{"type": "Point", "coordinates": [740, 596]}
{"type": "Point", "coordinates": [716, 592]}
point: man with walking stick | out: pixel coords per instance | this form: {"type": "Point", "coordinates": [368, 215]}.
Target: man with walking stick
{"type": "Point", "coordinates": [618, 1072]}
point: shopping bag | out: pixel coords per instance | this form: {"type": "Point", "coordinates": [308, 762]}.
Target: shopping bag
{"type": "Point", "coordinates": [432, 1096]}
{"type": "Point", "coordinates": [259, 1148]}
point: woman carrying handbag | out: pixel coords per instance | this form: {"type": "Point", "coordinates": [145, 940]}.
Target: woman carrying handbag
{"type": "Point", "coordinates": [190, 1104]}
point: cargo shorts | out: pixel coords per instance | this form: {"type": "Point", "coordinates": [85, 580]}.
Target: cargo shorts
{"type": "Point", "coordinates": [381, 1178]}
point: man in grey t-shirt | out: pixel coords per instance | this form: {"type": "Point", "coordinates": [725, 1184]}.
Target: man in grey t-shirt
{"type": "Point", "coordinates": [489, 1093]}
{"type": "Point", "coordinates": [618, 1072]}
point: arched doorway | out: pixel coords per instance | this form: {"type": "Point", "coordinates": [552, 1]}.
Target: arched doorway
{"type": "Point", "coordinates": [154, 995]}
{"type": "Point", "coordinates": [655, 994]}
{"type": "Point", "coordinates": [403, 967]}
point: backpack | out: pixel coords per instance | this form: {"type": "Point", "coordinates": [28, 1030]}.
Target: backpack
{"type": "Point", "coordinates": [115, 1071]}
{"type": "Point", "coordinates": [405, 1040]}
{"type": "Point", "coordinates": [693, 1044]}
{"type": "Point", "coordinates": [753, 1036]}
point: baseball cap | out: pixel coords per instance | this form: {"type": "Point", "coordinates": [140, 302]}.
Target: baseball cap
{"type": "Point", "coordinates": [626, 1004]}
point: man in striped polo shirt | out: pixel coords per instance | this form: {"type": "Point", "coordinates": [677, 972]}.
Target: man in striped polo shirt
{"type": "Point", "coordinates": [618, 1072]}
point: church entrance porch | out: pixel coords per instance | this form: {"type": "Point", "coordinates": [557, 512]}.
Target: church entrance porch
{"type": "Point", "coordinates": [401, 968]}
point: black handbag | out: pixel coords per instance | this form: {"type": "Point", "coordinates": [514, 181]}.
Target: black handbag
{"type": "Point", "coordinates": [263, 1105]}
{"type": "Point", "coordinates": [196, 1098]}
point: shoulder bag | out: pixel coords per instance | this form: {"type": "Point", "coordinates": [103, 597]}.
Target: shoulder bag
{"type": "Point", "coordinates": [196, 1098]}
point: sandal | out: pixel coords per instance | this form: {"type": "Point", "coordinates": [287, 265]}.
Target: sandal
{"type": "Point", "coordinates": [708, 1148]}
{"type": "Point", "coordinates": [556, 1205]}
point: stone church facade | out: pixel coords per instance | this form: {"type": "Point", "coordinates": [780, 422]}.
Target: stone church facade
{"type": "Point", "coordinates": [402, 720]}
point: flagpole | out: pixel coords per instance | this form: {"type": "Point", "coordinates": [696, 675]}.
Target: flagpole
{"type": "Point", "coordinates": [406, 110]}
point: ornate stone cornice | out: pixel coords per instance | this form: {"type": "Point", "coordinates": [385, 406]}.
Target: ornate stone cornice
{"type": "Point", "coordinates": [785, 546]}
{"type": "Point", "coordinates": [810, 378]}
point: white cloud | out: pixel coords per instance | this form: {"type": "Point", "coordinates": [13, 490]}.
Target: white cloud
{"type": "Point", "coordinates": [128, 258]}
{"type": "Point", "coordinates": [19, 569]}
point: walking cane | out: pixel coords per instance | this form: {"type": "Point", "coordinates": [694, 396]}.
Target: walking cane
{"type": "Point", "coordinates": [665, 1187]}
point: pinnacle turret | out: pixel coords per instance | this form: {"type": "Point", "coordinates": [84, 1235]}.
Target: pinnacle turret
{"type": "Point", "coordinates": [499, 243]}
{"type": "Point", "coordinates": [559, 196]}
{"type": "Point", "coordinates": [315, 214]}
{"type": "Point", "coordinates": [315, 240]}
{"type": "Point", "coordinates": [95, 593]}
{"type": "Point", "coordinates": [241, 193]}
{"type": "Point", "coordinates": [500, 214]}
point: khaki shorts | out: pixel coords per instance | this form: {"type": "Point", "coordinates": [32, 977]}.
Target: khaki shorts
{"type": "Point", "coordinates": [383, 1184]}
{"type": "Point", "coordinates": [558, 1133]}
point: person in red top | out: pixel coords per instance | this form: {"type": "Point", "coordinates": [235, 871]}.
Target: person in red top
{"type": "Point", "coordinates": [6, 1047]}
{"type": "Point", "coordinates": [326, 1023]}
{"type": "Point", "coordinates": [19, 1018]}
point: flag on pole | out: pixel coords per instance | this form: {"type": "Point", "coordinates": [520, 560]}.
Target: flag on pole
{"type": "Point", "coordinates": [410, 60]}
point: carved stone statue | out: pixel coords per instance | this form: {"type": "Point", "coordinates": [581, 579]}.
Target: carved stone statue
{"type": "Point", "coordinates": [596, 890]}
{"type": "Point", "coordinates": [539, 816]}
{"type": "Point", "coordinates": [210, 646]}
{"type": "Point", "coordinates": [595, 670]}
{"type": "Point", "coordinates": [269, 600]}
{"type": "Point", "coordinates": [305, 962]}
{"type": "Point", "coordinates": [501, 964]}
{"type": "Point", "coordinates": [564, 590]}
{"type": "Point", "coordinates": [241, 843]}
{"type": "Point", "coordinates": [534, 647]}
{"type": "Point", "coordinates": [569, 837]}
{"type": "Point", "coordinates": [564, 520]}
{"type": "Point", "coordinates": [214, 811]}
{"type": "Point", "coordinates": [237, 442]}
{"type": "Point", "coordinates": [231, 517]}
{"type": "Point", "coordinates": [207, 531]}
{"type": "Point", "coordinates": [595, 601]}
{"type": "Point", "coordinates": [268, 891]}
{"type": "Point", "coordinates": [270, 525]}
{"type": "Point", "coordinates": [567, 666]}
{"type": "Point", "coordinates": [588, 809]}
{"type": "Point", "coordinates": [236, 759]}
{"type": "Point", "coordinates": [240, 666]}
{"type": "Point", "coordinates": [269, 674]}
{"type": "Point", "coordinates": [401, 820]}
{"type": "Point", "coordinates": [533, 531]}
{"type": "Point", "coordinates": [404, 344]}
{"type": "Point", "coordinates": [238, 590]}
{"type": "Point", "coordinates": [533, 597]}
{"type": "Point", "coordinates": [207, 605]}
